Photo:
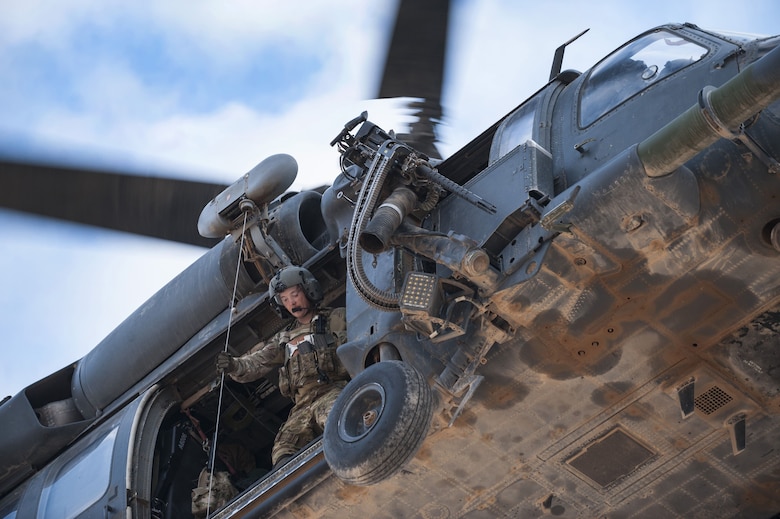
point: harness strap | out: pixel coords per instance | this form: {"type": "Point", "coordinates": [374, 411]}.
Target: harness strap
{"type": "Point", "coordinates": [320, 344]}
{"type": "Point", "coordinates": [205, 441]}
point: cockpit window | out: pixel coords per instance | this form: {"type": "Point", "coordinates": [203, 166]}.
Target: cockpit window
{"type": "Point", "coordinates": [634, 68]}
{"type": "Point", "coordinates": [740, 37]}
{"type": "Point", "coordinates": [516, 129]}
{"type": "Point", "coordinates": [80, 482]}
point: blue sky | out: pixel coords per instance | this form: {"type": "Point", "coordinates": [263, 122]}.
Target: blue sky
{"type": "Point", "coordinates": [205, 90]}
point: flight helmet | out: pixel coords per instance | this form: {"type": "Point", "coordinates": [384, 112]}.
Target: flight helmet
{"type": "Point", "coordinates": [289, 277]}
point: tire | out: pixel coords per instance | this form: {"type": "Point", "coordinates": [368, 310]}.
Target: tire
{"type": "Point", "coordinates": [378, 423]}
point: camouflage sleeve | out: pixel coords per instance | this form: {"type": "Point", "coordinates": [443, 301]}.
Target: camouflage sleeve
{"type": "Point", "coordinates": [259, 362]}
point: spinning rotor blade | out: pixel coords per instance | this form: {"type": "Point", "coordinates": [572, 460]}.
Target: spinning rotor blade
{"type": "Point", "coordinates": [415, 66]}
{"type": "Point", "coordinates": [151, 206]}
{"type": "Point", "coordinates": [169, 209]}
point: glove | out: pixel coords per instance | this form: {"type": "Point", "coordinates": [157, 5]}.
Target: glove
{"type": "Point", "coordinates": [226, 363]}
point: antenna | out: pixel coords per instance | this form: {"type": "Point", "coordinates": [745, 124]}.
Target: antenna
{"type": "Point", "coordinates": [558, 58]}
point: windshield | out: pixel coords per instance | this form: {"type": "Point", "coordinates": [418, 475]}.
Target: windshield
{"type": "Point", "coordinates": [633, 68]}
{"type": "Point", "coordinates": [740, 37]}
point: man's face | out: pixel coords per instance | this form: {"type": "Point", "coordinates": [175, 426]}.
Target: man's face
{"type": "Point", "coordinates": [295, 301]}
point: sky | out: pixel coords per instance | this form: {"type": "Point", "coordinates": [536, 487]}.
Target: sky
{"type": "Point", "coordinates": [205, 90]}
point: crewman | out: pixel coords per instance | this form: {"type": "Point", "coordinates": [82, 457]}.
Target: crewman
{"type": "Point", "coordinates": [310, 372]}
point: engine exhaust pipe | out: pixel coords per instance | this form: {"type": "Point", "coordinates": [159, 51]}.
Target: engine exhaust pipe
{"type": "Point", "coordinates": [718, 112]}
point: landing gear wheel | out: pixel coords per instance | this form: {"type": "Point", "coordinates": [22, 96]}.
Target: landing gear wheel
{"type": "Point", "coordinates": [378, 423]}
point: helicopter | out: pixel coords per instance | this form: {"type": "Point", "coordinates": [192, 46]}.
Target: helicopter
{"type": "Point", "coordinates": [585, 317]}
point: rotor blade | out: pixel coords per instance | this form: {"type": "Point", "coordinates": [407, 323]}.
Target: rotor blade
{"type": "Point", "coordinates": [415, 65]}
{"type": "Point", "coordinates": [422, 132]}
{"type": "Point", "coordinates": [415, 59]}
{"type": "Point", "coordinates": [151, 206]}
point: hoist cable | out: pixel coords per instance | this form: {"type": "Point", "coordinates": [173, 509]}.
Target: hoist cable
{"type": "Point", "coordinates": [212, 454]}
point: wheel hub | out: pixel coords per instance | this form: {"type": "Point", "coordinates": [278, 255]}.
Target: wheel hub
{"type": "Point", "coordinates": [369, 417]}
{"type": "Point", "coordinates": [362, 412]}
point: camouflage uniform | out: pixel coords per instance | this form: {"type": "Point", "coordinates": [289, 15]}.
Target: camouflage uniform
{"type": "Point", "coordinates": [211, 493]}
{"type": "Point", "coordinates": [309, 374]}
